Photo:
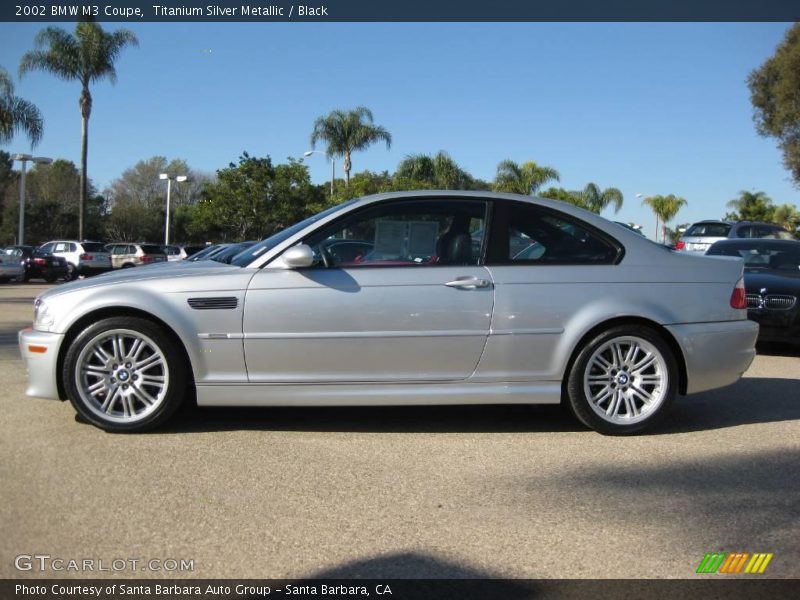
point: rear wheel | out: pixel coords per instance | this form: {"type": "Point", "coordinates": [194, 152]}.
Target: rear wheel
{"type": "Point", "coordinates": [72, 273]}
{"type": "Point", "coordinates": [125, 374]}
{"type": "Point", "coordinates": [50, 278]}
{"type": "Point", "coordinates": [623, 380]}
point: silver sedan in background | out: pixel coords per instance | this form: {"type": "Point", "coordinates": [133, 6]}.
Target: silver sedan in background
{"type": "Point", "coordinates": [434, 305]}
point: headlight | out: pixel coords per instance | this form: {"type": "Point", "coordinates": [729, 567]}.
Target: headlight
{"type": "Point", "coordinates": [42, 319]}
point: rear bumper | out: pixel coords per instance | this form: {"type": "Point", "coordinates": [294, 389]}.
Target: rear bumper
{"type": "Point", "coordinates": [716, 354]}
{"type": "Point", "coordinates": [40, 354]}
{"type": "Point", "coordinates": [12, 271]}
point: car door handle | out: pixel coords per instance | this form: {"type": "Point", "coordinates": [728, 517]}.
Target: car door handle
{"type": "Point", "coordinates": [468, 283]}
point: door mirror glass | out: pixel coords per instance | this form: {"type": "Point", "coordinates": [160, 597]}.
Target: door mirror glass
{"type": "Point", "coordinates": [298, 257]}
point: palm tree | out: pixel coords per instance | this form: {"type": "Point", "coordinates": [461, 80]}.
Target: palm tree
{"type": "Point", "coordinates": [787, 216]}
{"type": "Point", "coordinates": [432, 172]}
{"type": "Point", "coordinates": [346, 132]}
{"type": "Point", "coordinates": [665, 209]}
{"type": "Point", "coordinates": [87, 56]}
{"type": "Point", "coordinates": [596, 200]}
{"type": "Point", "coordinates": [17, 114]}
{"type": "Point", "coordinates": [751, 206]}
{"type": "Point", "coordinates": [525, 178]}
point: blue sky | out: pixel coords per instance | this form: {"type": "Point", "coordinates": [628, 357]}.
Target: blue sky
{"type": "Point", "coordinates": [648, 108]}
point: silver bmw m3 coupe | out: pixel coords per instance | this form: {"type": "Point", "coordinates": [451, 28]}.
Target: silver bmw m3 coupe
{"type": "Point", "coordinates": [403, 298]}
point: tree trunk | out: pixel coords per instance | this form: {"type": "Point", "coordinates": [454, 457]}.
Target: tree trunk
{"type": "Point", "coordinates": [86, 111]}
{"type": "Point", "coordinates": [346, 166]}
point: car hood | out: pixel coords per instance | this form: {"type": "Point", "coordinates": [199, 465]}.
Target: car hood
{"type": "Point", "coordinates": [156, 275]}
{"type": "Point", "coordinates": [776, 282]}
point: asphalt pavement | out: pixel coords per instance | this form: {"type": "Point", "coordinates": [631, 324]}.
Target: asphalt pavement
{"type": "Point", "coordinates": [511, 491]}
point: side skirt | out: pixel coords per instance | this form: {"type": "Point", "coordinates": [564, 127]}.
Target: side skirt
{"type": "Point", "coordinates": [372, 394]}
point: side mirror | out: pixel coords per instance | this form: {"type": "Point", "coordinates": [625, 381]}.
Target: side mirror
{"type": "Point", "coordinates": [298, 257]}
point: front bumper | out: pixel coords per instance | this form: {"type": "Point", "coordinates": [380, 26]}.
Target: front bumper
{"type": "Point", "coordinates": [39, 351]}
{"type": "Point", "coordinates": [716, 354]}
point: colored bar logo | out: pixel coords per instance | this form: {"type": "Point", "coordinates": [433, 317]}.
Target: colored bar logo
{"type": "Point", "coordinates": [735, 562]}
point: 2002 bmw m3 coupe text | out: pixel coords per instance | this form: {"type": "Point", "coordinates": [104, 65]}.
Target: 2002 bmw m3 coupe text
{"type": "Point", "coordinates": [406, 298]}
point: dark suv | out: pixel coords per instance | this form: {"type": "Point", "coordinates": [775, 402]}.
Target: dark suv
{"type": "Point", "coordinates": [700, 236]}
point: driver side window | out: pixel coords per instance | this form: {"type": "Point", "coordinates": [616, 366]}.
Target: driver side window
{"type": "Point", "coordinates": [404, 234]}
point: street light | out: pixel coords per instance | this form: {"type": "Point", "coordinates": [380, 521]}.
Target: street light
{"type": "Point", "coordinates": [179, 179]}
{"type": "Point", "coordinates": [333, 165]}
{"type": "Point", "coordinates": [24, 158]}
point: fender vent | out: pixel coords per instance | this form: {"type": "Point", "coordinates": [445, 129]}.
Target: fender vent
{"type": "Point", "coordinates": [217, 303]}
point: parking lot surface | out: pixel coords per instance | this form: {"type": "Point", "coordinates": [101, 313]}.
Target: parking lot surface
{"type": "Point", "coordinates": [511, 491]}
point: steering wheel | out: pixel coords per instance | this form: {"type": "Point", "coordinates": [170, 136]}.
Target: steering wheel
{"type": "Point", "coordinates": [327, 259]}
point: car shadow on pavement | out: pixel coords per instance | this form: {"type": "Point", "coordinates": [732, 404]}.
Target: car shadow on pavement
{"type": "Point", "coordinates": [730, 497]}
{"type": "Point", "coordinates": [750, 400]}
{"type": "Point", "coordinates": [377, 419]}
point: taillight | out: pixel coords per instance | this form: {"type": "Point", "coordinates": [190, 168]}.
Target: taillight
{"type": "Point", "coordinates": [738, 296]}
{"type": "Point", "coordinates": [86, 257]}
{"type": "Point", "coordinates": [147, 259]}
{"type": "Point", "coordinates": [39, 261]}
{"type": "Point", "coordinates": [680, 245]}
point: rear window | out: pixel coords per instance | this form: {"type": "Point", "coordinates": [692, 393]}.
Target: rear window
{"type": "Point", "coordinates": [708, 230]}
{"type": "Point", "coordinates": [152, 249]}
{"type": "Point", "coordinates": [93, 247]}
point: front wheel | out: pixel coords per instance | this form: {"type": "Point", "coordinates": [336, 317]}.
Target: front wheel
{"type": "Point", "coordinates": [623, 380]}
{"type": "Point", "coordinates": [125, 374]}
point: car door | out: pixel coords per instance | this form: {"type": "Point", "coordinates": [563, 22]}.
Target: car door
{"type": "Point", "coordinates": [540, 288]}
{"type": "Point", "coordinates": [415, 305]}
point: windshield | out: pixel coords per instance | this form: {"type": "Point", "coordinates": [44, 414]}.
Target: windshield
{"type": "Point", "coordinates": [227, 254]}
{"type": "Point", "coordinates": [93, 247]}
{"type": "Point", "coordinates": [708, 230]}
{"type": "Point", "coordinates": [249, 255]}
{"type": "Point", "coordinates": [202, 254]}
{"type": "Point", "coordinates": [783, 257]}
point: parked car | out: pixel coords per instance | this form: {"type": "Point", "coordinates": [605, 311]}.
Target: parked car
{"type": "Point", "coordinates": [38, 264]}
{"type": "Point", "coordinates": [83, 258]}
{"type": "Point", "coordinates": [207, 252]}
{"type": "Point", "coordinates": [772, 282]}
{"type": "Point", "coordinates": [700, 236]}
{"type": "Point", "coordinates": [11, 267]}
{"type": "Point", "coordinates": [176, 253]}
{"type": "Point", "coordinates": [602, 319]}
{"type": "Point", "coordinates": [125, 256]}
{"type": "Point", "coordinates": [227, 254]}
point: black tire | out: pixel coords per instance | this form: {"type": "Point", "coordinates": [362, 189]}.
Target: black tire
{"type": "Point", "coordinates": [72, 273]}
{"type": "Point", "coordinates": [174, 370]}
{"type": "Point", "coordinates": [623, 380]}
{"type": "Point", "coordinates": [50, 279]}
{"type": "Point", "coordinates": [26, 278]}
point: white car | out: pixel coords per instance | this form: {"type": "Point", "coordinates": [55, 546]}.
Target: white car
{"type": "Point", "coordinates": [178, 253]}
{"type": "Point", "coordinates": [83, 258]}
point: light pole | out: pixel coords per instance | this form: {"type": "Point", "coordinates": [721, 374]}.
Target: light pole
{"type": "Point", "coordinates": [642, 196]}
{"type": "Point", "coordinates": [24, 158]}
{"type": "Point", "coordinates": [333, 165]}
{"type": "Point", "coordinates": [179, 179]}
